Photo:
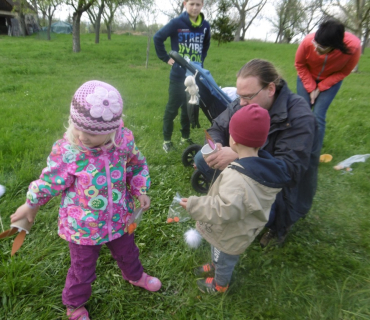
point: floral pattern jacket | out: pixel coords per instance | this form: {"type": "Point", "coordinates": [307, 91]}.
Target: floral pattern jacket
{"type": "Point", "coordinates": [97, 185]}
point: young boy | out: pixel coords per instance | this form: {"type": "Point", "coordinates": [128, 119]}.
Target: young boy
{"type": "Point", "coordinates": [190, 37]}
{"type": "Point", "coordinates": [238, 204]}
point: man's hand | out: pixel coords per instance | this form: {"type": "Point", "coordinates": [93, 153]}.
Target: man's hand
{"type": "Point", "coordinates": [222, 158]}
{"type": "Point", "coordinates": [314, 94]}
{"type": "Point", "coordinates": [24, 211]}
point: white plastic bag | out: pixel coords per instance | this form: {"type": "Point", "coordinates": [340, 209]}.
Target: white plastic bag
{"type": "Point", "coordinates": [346, 164]}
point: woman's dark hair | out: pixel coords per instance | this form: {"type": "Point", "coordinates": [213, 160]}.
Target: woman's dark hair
{"type": "Point", "coordinates": [331, 34]}
{"type": "Point", "coordinates": [263, 70]}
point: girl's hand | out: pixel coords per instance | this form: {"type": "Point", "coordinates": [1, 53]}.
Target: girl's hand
{"type": "Point", "coordinates": [144, 201]}
{"type": "Point", "coordinates": [24, 211]}
{"type": "Point", "coordinates": [183, 202]}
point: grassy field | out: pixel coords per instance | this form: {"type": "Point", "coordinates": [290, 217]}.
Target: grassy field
{"type": "Point", "coordinates": [322, 272]}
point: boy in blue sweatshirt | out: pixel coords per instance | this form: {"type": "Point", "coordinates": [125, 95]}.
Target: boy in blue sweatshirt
{"type": "Point", "coordinates": [190, 37]}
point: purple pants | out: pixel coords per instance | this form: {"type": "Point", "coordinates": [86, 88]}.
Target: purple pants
{"type": "Point", "coordinates": [81, 274]}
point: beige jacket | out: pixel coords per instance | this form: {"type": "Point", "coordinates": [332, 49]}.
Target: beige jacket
{"type": "Point", "coordinates": [234, 212]}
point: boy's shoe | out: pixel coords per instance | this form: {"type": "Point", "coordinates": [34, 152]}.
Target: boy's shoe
{"type": "Point", "coordinates": [205, 269]}
{"type": "Point", "coordinates": [186, 141]}
{"type": "Point", "coordinates": [209, 286]}
{"type": "Point", "coordinates": [147, 282]}
{"type": "Point", "coordinates": [168, 146]}
{"type": "Point", "coordinates": [78, 314]}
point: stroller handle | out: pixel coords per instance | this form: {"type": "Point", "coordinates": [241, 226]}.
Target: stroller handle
{"type": "Point", "coordinates": [181, 61]}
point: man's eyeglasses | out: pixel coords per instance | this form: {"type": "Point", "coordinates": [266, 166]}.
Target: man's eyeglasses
{"type": "Point", "coordinates": [253, 95]}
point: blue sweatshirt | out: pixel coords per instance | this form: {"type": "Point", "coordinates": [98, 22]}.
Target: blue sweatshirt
{"type": "Point", "coordinates": [188, 41]}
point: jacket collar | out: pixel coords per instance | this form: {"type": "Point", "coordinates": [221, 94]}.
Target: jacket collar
{"type": "Point", "coordinates": [279, 109]}
{"type": "Point", "coordinates": [185, 17]}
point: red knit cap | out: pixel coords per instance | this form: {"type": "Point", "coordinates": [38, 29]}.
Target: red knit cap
{"type": "Point", "coordinates": [250, 126]}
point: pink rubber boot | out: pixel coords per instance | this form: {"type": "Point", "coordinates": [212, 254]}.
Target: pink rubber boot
{"type": "Point", "coordinates": [147, 282]}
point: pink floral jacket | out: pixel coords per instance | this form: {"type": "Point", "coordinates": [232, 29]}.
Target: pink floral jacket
{"type": "Point", "coordinates": [97, 188]}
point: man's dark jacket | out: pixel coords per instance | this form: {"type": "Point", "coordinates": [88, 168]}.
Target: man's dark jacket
{"type": "Point", "coordinates": [292, 138]}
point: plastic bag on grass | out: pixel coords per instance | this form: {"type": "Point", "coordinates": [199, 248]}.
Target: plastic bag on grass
{"type": "Point", "coordinates": [346, 164]}
{"type": "Point", "coordinates": [176, 213]}
{"type": "Point", "coordinates": [134, 220]}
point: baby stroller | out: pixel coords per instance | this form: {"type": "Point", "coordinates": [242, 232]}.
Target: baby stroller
{"type": "Point", "coordinates": [212, 101]}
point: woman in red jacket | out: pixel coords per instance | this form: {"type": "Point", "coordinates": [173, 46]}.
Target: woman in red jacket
{"type": "Point", "coordinates": [323, 60]}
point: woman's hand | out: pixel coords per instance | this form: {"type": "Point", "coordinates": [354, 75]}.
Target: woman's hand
{"type": "Point", "coordinates": [144, 202]}
{"type": "Point", "coordinates": [314, 94]}
{"type": "Point", "coordinates": [24, 211]}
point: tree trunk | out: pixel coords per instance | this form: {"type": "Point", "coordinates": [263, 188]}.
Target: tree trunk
{"type": "Point", "coordinates": [97, 22]}
{"type": "Point", "coordinates": [76, 31]}
{"type": "Point", "coordinates": [49, 28]}
{"type": "Point", "coordinates": [365, 40]}
{"type": "Point", "coordinates": [147, 49]}
{"type": "Point", "coordinates": [109, 31]}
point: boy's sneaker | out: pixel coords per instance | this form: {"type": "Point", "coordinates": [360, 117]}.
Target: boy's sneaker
{"type": "Point", "coordinates": [186, 141]}
{"type": "Point", "coordinates": [168, 146]}
{"type": "Point", "coordinates": [209, 286]}
{"type": "Point", "coordinates": [147, 282]}
{"type": "Point", "coordinates": [205, 269]}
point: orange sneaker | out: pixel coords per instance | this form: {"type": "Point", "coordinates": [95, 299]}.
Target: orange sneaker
{"type": "Point", "coordinates": [209, 285]}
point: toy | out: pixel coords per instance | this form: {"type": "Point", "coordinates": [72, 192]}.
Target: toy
{"type": "Point", "coordinates": [192, 89]}
{"type": "Point", "coordinates": [22, 226]}
{"type": "Point", "coordinates": [193, 238]}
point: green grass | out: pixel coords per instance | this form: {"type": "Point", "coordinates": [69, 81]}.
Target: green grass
{"type": "Point", "coordinates": [323, 271]}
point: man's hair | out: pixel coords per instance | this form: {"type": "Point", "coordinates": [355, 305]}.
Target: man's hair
{"type": "Point", "coordinates": [263, 70]}
{"type": "Point", "coordinates": [331, 34]}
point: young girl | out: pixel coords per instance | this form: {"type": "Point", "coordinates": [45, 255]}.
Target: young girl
{"type": "Point", "coordinates": [98, 170]}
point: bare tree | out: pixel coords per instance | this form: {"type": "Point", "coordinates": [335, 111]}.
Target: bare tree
{"type": "Point", "coordinates": [247, 10]}
{"type": "Point", "coordinates": [312, 17]}
{"type": "Point", "coordinates": [95, 13]}
{"type": "Point", "coordinates": [177, 7]}
{"type": "Point", "coordinates": [356, 14]}
{"type": "Point", "coordinates": [289, 14]}
{"type": "Point", "coordinates": [108, 14]}
{"type": "Point", "coordinates": [80, 6]}
{"type": "Point", "coordinates": [47, 8]}
{"type": "Point", "coordinates": [132, 11]}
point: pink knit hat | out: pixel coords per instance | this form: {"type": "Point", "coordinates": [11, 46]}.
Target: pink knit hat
{"type": "Point", "coordinates": [96, 108]}
{"type": "Point", "coordinates": [250, 126]}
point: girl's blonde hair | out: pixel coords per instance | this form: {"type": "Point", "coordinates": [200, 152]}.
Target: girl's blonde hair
{"type": "Point", "coordinates": [109, 143]}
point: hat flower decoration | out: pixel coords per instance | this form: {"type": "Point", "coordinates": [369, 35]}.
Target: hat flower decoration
{"type": "Point", "coordinates": [105, 103]}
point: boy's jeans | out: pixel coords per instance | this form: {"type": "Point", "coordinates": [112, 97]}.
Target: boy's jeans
{"type": "Point", "coordinates": [321, 105]}
{"type": "Point", "coordinates": [81, 274]}
{"type": "Point", "coordinates": [224, 266]}
{"type": "Point", "coordinates": [176, 99]}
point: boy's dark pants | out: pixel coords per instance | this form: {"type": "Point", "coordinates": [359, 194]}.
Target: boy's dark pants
{"type": "Point", "coordinates": [176, 99]}
{"type": "Point", "coordinates": [81, 274]}
{"type": "Point", "coordinates": [224, 266]}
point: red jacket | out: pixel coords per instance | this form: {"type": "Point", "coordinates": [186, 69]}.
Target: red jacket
{"type": "Point", "coordinates": [327, 69]}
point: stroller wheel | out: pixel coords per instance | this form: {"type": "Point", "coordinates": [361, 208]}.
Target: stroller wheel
{"type": "Point", "coordinates": [199, 182]}
{"type": "Point", "coordinates": [189, 154]}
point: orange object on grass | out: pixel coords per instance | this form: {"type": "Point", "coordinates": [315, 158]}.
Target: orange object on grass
{"type": "Point", "coordinates": [169, 220]}
{"type": "Point", "coordinates": [176, 219]}
{"type": "Point", "coordinates": [326, 158]}
{"type": "Point", "coordinates": [131, 228]}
